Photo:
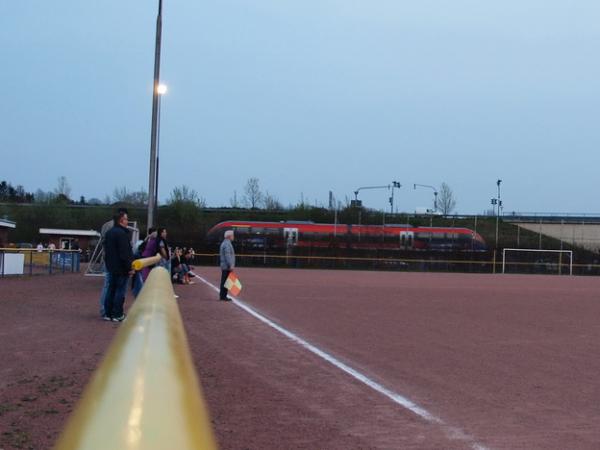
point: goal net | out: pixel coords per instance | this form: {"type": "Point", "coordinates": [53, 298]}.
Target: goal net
{"type": "Point", "coordinates": [525, 260]}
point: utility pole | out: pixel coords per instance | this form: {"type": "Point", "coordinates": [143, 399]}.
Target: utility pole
{"type": "Point", "coordinates": [153, 182]}
{"type": "Point", "coordinates": [395, 184]}
{"type": "Point", "coordinates": [498, 204]}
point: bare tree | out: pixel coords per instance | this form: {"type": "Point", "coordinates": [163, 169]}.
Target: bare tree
{"type": "Point", "coordinates": [120, 194]}
{"type": "Point", "coordinates": [252, 196]}
{"type": "Point", "coordinates": [185, 194]}
{"type": "Point", "coordinates": [138, 198]}
{"type": "Point", "coordinates": [63, 188]}
{"type": "Point", "coordinates": [271, 203]}
{"type": "Point", "coordinates": [233, 201]}
{"type": "Point", "coordinates": [446, 201]}
{"type": "Point", "coordinates": [43, 196]}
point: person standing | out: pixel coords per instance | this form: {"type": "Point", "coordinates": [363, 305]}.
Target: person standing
{"type": "Point", "coordinates": [227, 262]}
{"type": "Point", "coordinates": [150, 248]}
{"type": "Point", "coordinates": [105, 229]}
{"type": "Point", "coordinates": [118, 258]}
{"type": "Point", "coordinates": [163, 248]}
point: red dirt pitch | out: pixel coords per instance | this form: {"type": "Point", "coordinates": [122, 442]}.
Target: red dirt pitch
{"type": "Point", "coordinates": [502, 362]}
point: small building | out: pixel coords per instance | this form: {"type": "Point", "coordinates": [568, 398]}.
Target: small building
{"type": "Point", "coordinates": [5, 226]}
{"type": "Point", "coordinates": [70, 239]}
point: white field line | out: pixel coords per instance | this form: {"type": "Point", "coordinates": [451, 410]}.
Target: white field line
{"type": "Point", "coordinates": [451, 432]}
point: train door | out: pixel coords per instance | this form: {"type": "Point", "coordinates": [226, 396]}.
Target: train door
{"type": "Point", "coordinates": [290, 237]}
{"type": "Point", "coordinates": [406, 239]}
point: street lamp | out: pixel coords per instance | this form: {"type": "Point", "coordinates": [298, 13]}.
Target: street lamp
{"type": "Point", "coordinates": [160, 90]}
{"type": "Point", "coordinates": [395, 184]}
{"type": "Point", "coordinates": [496, 201]}
{"type": "Point", "coordinates": [435, 194]}
{"type": "Point", "coordinates": [357, 203]}
{"type": "Point", "coordinates": [153, 133]}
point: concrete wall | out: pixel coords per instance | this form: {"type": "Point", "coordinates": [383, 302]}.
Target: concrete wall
{"type": "Point", "coordinates": [581, 235]}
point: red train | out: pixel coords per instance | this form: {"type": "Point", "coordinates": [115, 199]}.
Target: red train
{"type": "Point", "coordinates": [283, 235]}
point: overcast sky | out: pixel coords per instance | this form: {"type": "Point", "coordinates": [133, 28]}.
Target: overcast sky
{"type": "Point", "coordinates": [308, 96]}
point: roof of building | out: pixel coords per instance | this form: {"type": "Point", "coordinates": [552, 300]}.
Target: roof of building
{"type": "Point", "coordinates": [64, 232]}
{"type": "Point", "coordinates": [5, 223]}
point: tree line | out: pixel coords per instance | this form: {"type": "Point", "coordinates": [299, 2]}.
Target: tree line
{"type": "Point", "coordinates": [253, 197]}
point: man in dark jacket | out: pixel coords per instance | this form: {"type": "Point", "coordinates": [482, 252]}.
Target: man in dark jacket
{"type": "Point", "coordinates": [117, 257]}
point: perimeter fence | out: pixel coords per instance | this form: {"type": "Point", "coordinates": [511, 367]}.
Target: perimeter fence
{"type": "Point", "coordinates": [24, 261]}
{"type": "Point", "coordinates": [484, 262]}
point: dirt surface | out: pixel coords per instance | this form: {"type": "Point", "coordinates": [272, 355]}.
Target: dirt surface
{"type": "Point", "coordinates": [504, 362]}
{"type": "Point", "coordinates": [509, 360]}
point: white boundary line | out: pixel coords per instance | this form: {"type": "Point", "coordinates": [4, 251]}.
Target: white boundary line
{"type": "Point", "coordinates": [451, 432]}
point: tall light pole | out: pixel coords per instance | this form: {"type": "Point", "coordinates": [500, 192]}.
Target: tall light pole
{"type": "Point", "coordinates": [395, 184]}
{"type": "Point", "coordinates": [498, 203]}
{"type": "Point", "coordinates": [162, 90]}
{"type": "Point", "coordinates": [435, 194]}
{"type": "Point", "coordinates": [153, 175]}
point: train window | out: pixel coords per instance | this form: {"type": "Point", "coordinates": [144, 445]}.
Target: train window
{"type": "Point", "coordinates": [257, 230]}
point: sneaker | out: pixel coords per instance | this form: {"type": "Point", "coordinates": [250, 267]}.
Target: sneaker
{"type": "Point", "coordinates": [227, 299]}
{"type": "Point", "coordinates": [108, 319]}
{"type": "Point", "coordinates": [119, 319]}
{"type": "Point", "coordinates": [175, 296]}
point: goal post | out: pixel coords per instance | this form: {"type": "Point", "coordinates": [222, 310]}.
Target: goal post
{"type": "Point", "coordinates": [539, 260]}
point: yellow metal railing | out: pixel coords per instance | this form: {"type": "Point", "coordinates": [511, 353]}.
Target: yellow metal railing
{"type": "Point", "coordinates": [139, 264]}
{"type": "Point", "coordinates": [145, 394]}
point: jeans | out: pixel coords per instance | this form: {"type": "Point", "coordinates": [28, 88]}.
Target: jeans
{"type": "Point", "coordinates": [137, 283]}
{"type": "Point", "coordinates": [104, 293]}
{"type": "Point", "coordinates": [117, 289]}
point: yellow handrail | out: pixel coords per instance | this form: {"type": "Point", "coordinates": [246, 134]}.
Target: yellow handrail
{"type": "Point", "coordinates": [145, 395]}
{"type": "Point", "coordinates": [139, 264]}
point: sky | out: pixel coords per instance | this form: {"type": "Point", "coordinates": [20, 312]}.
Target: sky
{"type": "Point", "coordinates": [309, 97]}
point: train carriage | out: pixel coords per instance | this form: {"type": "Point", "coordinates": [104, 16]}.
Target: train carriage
{"type": "Point", "coordinates": [253, 235]}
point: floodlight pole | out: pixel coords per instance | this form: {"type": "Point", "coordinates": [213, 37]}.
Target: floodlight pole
{"type": "Point", "coordinates": [153, 175]}
{"type": "Point", "coordinates": [435, 194]}
{"type": "Point", "coordinates": [363, 188]}
{"type": "Point", "coordinates": [395, 184]}
{"type": "Point", "coordinates": [498, 210]}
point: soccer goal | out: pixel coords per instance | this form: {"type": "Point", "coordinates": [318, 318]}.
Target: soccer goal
{"type": "Point", "coordinates": [527, 260]}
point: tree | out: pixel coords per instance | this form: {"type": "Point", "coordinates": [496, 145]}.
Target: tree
{"type": "Point", "coordinates": [184, 194]}
{"type": "Point", "coordinates": [137, 198]}
{"type": "Point", "coordinates": [43, 196]}
{"type": "Point", "coordinates": [252, 196]}
{"type": "Point", "coordinates": [63, 189]}
{"type": "Point", "coordinates": [271, 203]}
{"type": "Point", "coordinates": [233, 202]}
{"type": "Point", "coordinates": [446, 201]}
